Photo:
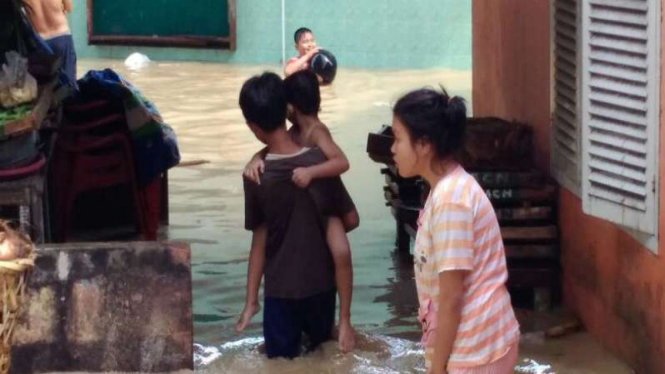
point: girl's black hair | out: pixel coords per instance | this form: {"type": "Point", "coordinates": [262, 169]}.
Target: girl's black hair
{"type": "Point", "coordinates": [434, 117]}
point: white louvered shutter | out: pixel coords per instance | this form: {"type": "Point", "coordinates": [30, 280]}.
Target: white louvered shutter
{"type": "Point", "coordinates": [566, 134]}
{"type": "Point", "coordinates": [620, 83]}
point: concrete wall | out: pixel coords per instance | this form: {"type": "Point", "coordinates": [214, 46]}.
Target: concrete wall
{"type": "Point", "coordinates": [511, 71]}
{"type": "Point", "coordinates": [613, 283]}
{"type": "Point", "coordinates": [107, 307]}
{"type": "Point", "coordinates": [361, 33]}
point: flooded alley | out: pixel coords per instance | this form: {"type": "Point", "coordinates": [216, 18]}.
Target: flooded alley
{"type": "Point", "coordinates": [200, 101]}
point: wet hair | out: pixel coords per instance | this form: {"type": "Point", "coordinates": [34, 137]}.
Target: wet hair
{"type": "Point", "coordinates": [300, 32]}
{"type": "Point", "coordinates": [302, 91]}
{"type": "Point", "coordinates": [434, 117]}
{"type": "Point", "coordinates": [263, 102]}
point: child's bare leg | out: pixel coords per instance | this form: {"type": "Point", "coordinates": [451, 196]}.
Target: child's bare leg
{"type": "Point", "coordinates": [351, 220]}
{"type": "Point", "coordinates": [341, 253]}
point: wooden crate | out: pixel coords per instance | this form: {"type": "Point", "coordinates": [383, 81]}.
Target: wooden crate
{"type": "Point", "coordinates": [495, 144]}
{"type": "Point", "coordinates": [526, 207]}
{"type": "Point", "coordinates": [491, 144]}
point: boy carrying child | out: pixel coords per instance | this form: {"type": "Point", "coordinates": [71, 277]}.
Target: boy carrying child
{"type": "Point", "coordinates": [288, 225]}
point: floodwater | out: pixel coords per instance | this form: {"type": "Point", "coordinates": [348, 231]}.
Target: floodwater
{"type": "Point", "coordinates": [200, 102]}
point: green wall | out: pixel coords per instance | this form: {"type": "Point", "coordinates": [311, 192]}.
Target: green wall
{"type": "Point", "coordinates": [150, 17]}
{"type": "Point", "coordinates": [361, 33]}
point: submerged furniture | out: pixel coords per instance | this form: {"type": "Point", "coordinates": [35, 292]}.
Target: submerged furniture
{"type": "Point", "coordinates": [93, 151]}
{"type": "Point", "coordinates": [23, 197]}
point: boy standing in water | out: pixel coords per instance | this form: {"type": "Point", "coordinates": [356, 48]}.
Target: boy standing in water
{"type": "Point", "coordinates": [288, 227]}
{"type": "Point", "coordinates": [306, 47]}
{"type": "Point", "coordinates": [48, 18]}
{"type": "Point", "coordinates": [304, 103]}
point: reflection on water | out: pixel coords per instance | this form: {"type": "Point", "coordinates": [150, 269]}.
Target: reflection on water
{"type": "Point", "coordinates": [200, 101]}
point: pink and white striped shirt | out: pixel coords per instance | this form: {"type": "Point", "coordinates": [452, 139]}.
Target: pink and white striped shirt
{"type": "Point", "coordinates": [458, 230]}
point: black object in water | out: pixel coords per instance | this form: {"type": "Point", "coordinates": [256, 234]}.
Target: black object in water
{"type": "Point", "coordinates": [324, 64]}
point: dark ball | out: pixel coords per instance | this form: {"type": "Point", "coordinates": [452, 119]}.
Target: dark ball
{"type": "Point", "coordinates": [324, 64]}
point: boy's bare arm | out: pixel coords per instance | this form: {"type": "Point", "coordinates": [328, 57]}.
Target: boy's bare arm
{"type": "Point", "coordinates": [257, 257]}
{"type": "Point", "coordinates": [254, 275]}
{"type": "Point", "coordinates": [295, 65]}
{"type": "Point", "coordinates": [337, 162]}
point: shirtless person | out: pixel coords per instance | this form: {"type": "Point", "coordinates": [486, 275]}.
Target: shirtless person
{"type": "Point", "coordinates": [49, 20]}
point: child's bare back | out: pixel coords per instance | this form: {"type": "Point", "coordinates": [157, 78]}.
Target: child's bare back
{"type": "Point", "coordinates": [309, 139]}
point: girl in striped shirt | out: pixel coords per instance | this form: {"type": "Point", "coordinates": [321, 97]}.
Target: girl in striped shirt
{"type": "Point", "coordinates": [460, 265]}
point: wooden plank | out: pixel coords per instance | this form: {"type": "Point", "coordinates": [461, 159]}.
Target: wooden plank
{"type": "Point", "coordinates": [163, 41]}
{"type": "Point", "coordinates": [534, 277]}
{"type": "Point", "coordinates": [507, 179]}
{"type": "Point", "coordinates": [532, 251]}
{"type": "Point", "coordinates": [547, 193]}
{"type": "Point", "coordinates": [529, 233]}
{"type": "Point", "coordinates": [524, 214]}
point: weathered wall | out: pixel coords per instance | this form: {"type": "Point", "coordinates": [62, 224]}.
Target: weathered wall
{"type": "Point", "coordinates": [107, 307]}
{"type": "Point", "coordinates": [511, 68]}
{"type": "Point", "coordinates": [612, 282]}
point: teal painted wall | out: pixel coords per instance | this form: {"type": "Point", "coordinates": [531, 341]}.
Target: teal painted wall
{"type": "Point", "coordinates": [361, 33]}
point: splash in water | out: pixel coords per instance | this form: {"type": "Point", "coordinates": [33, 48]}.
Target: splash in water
{"type": "Point", "coordinates": [532, 367]}
{"type": "Point", "coordinates": [375, 354]}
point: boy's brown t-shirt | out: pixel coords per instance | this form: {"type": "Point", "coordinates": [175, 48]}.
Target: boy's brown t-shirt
{"type": "Point", "coordinates": [298, 261]}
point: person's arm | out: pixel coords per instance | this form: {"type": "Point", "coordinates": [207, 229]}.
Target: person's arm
{"type": "Point", "coordinates": [67, 6]}
{"type": "Point", "coordinates": [335, 165]}
{"type": "Point", "coordinates": [256, 166]}
{"type": "Point", "coordinates": [294, 66]}
{"type": "Point", "coordinates": [254, 222]}
{"type": "Point", "coordinates": [451, 295]}
{"type": "Point", "coordinates": [257, 258]}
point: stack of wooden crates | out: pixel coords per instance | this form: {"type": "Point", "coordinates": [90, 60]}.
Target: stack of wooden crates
{"type": "Point", "coordinates": [499, 154]}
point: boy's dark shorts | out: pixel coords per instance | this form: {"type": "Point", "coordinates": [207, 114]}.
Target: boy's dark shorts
{"type": "Point", "coordinates": [63, 46]}
{"type": "Point", "coordinates": [285, 320]}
